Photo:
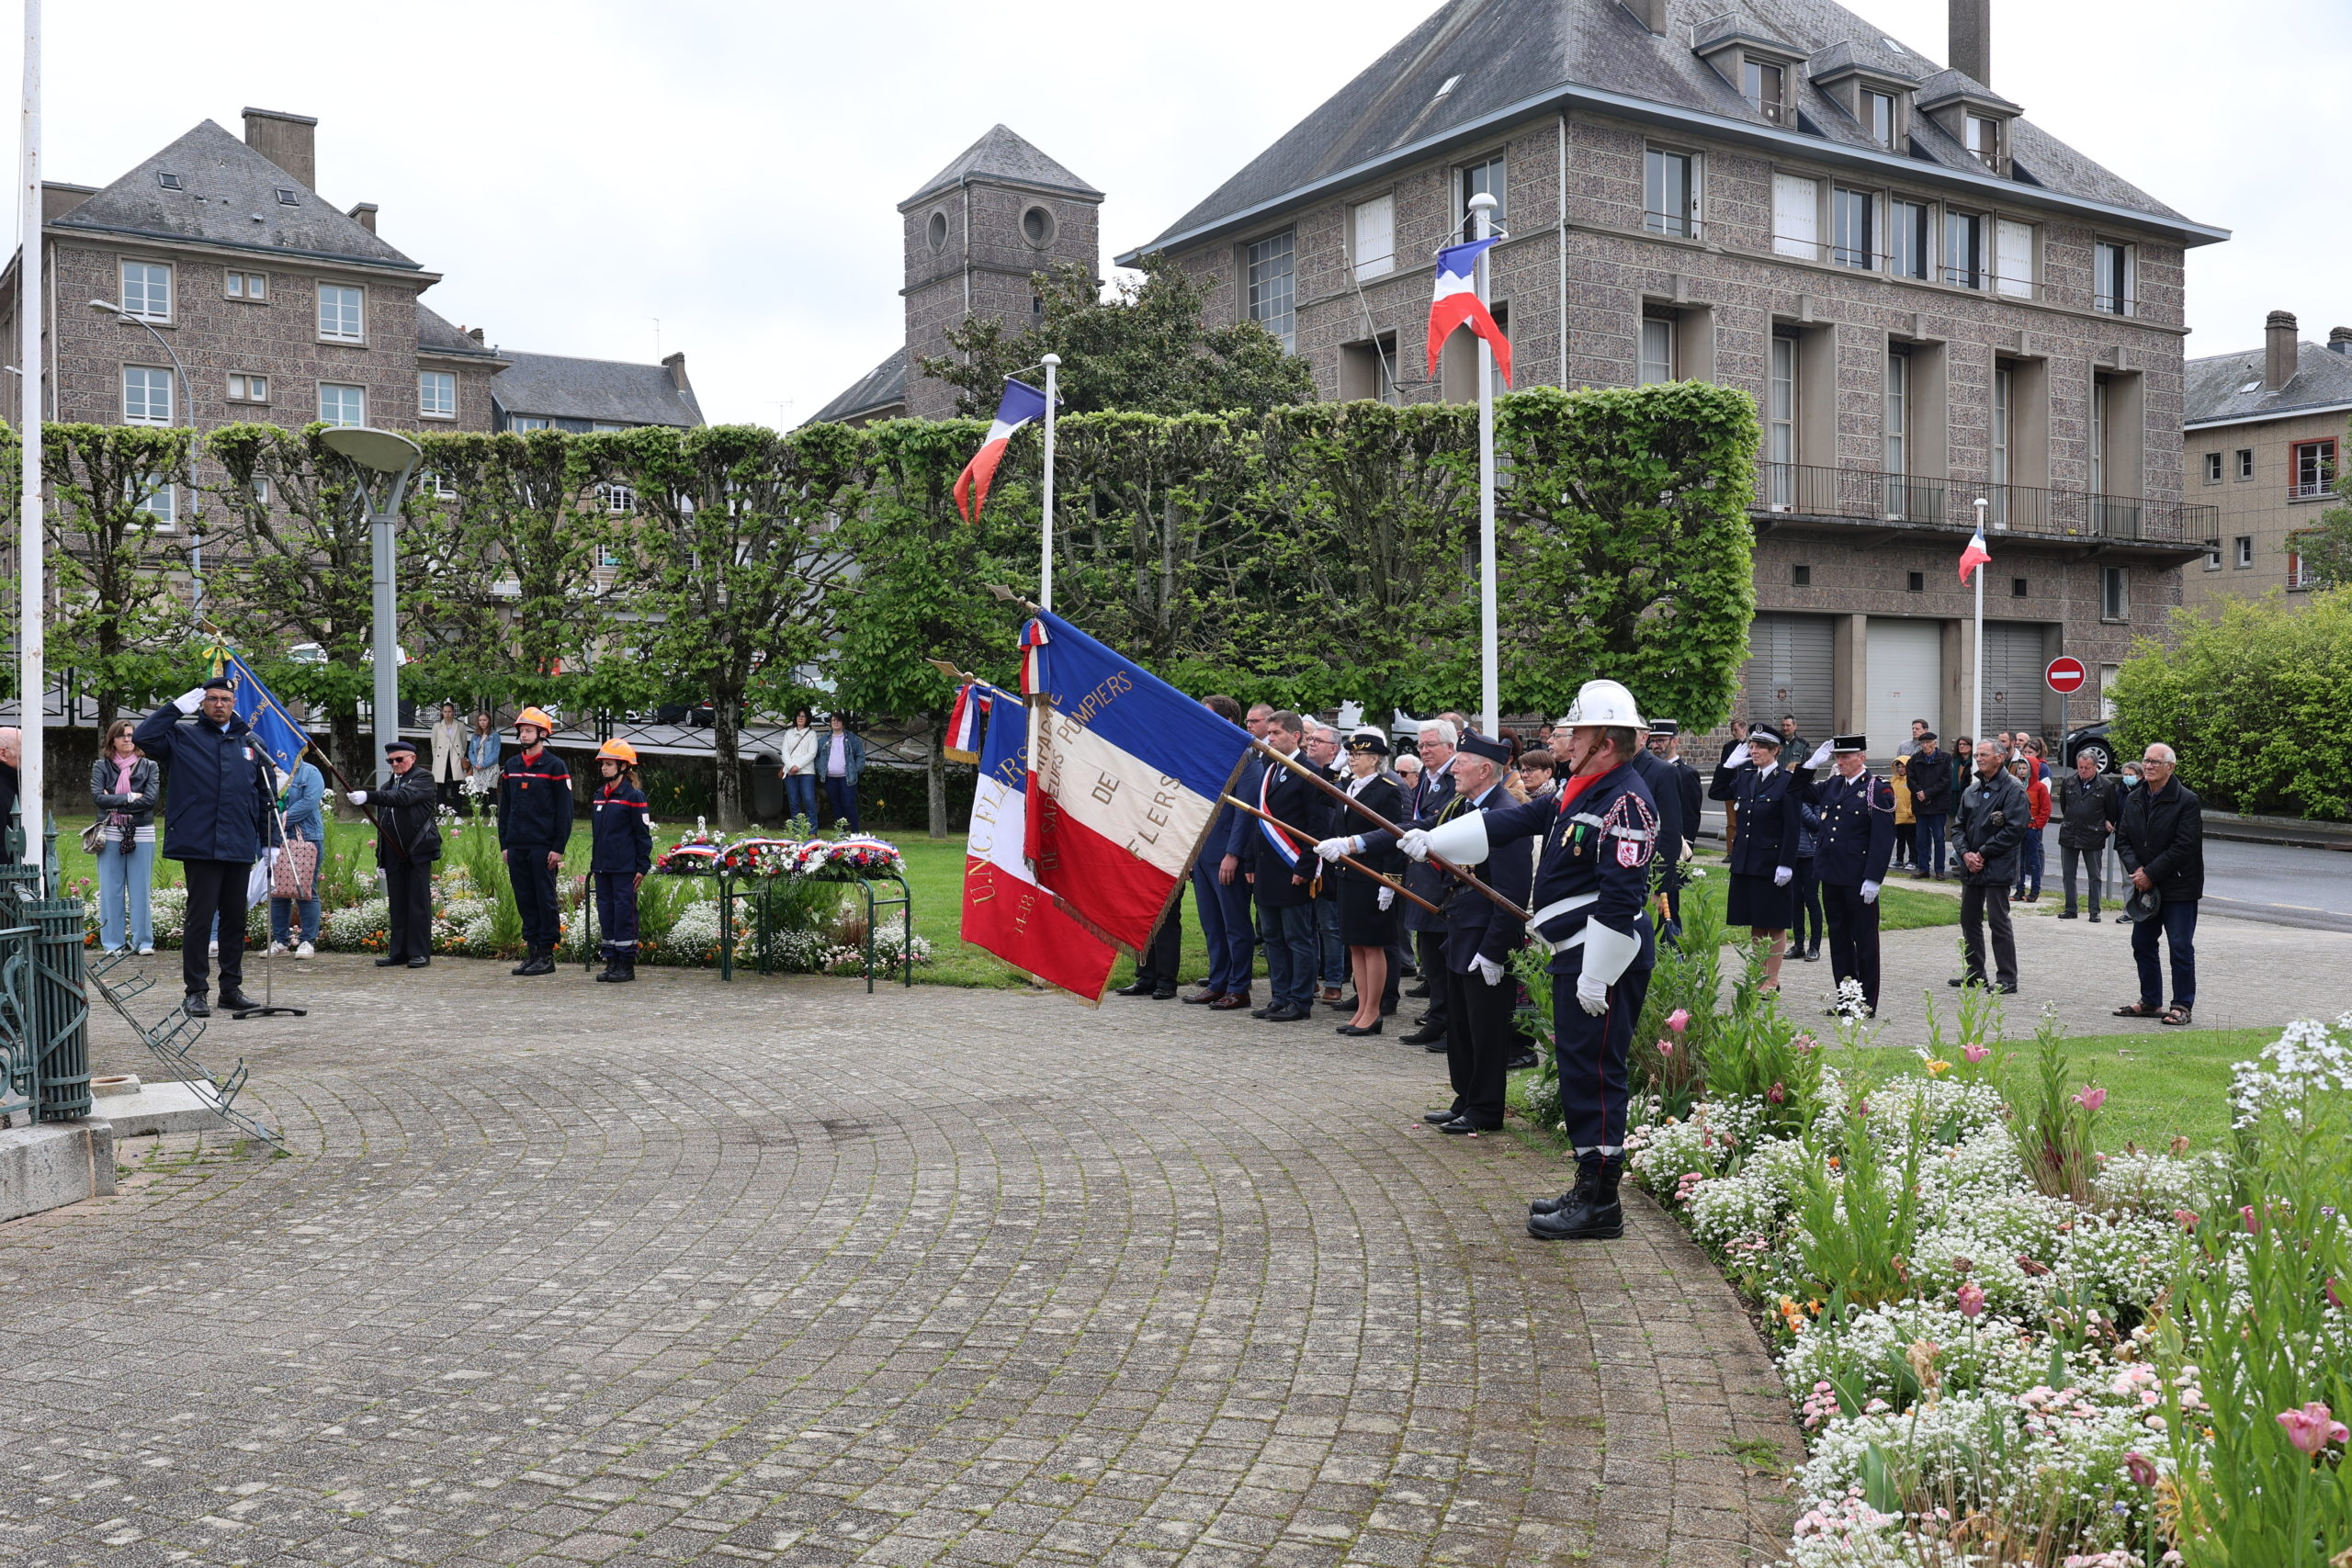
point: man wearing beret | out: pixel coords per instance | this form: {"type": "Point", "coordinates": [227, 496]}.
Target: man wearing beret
{"type": "Point", "coordinates": [223, 813]}
{"type": "Point", "coordinates": [408, 840]}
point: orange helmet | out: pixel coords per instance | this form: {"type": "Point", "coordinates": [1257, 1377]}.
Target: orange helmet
{"type": "Point", "coordinates": [618, 751]}
{"type": "Point", "coordinates": [536, 717]}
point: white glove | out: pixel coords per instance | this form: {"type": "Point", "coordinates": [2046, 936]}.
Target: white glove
{"type": "Point", "coordinates": [1870, 892]}
{"type": "Point", "coordinates": [1593, 994]}
{"type": "Point", "coordinates": [1415, 843]}
{"type": "Point", "coordinates": [187, 702]}
{"type": "Point", "coordinates": [1738, 758]}
{"type": "Point", "coordinates": [1332, 849]}
{"type": "Point", "coordinates": [1820, 755]}
{"type": "Point", "coordinates": [1489, 970]}
{"type": "Point", "coordinates": [1387, 896]}
{"type": "Point", "coordinates": [1781, 874]}
{"type": "Point", "coordinates": [357, 797]}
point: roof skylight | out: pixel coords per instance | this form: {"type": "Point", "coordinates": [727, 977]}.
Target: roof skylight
{"type": "Point", "coordinates": [287, 196]}
{"type": "Point", "coordinates": [169, 182]}
{"type": "Point", "coordinates": [1442, 92]}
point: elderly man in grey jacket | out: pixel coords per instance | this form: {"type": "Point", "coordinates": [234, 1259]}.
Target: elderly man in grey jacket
{"type": "Point", "coordinates": [1992, 822]}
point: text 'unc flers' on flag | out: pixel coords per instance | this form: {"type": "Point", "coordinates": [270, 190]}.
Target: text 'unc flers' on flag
{"type": "Point", "coordinates": [1126, 773]}
{"type": "Point", "coordinates": [1004, 910]}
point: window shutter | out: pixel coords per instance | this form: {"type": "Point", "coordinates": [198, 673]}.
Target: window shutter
{"type": "Point", "coordinates": [1796, 216]}
{"type": "Point", "coordinates": [2013, 258]}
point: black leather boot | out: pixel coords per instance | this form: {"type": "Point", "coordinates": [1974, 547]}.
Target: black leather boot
{"type": "Point", "coordinates": [1598, 1218]}
{"type": "Point", "coordinates": [623, 970]}
{"type": "Point", "coordinates": [542, 962]}
{"type": "Point", "coordinates": [1586, 1175]}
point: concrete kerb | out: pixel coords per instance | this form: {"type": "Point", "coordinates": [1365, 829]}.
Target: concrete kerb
{"type": "Point", "coordinates": [54, 1164]}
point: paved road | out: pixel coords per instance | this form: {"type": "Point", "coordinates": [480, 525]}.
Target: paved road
{"type": "Point", "coordinates": [777, 1272]}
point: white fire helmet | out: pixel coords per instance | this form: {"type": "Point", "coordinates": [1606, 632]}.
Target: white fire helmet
{"type": "Point", "coordinates": [1603, 702]}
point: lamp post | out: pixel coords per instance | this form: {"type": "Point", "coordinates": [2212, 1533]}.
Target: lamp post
{"type": "Point", "coordinates": [380, 453]}
{"type": "Point", "coordinates": [187, 409]}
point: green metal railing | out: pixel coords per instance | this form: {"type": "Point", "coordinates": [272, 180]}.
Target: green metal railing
{"type": "Point", "coordinates": [44, 1007]}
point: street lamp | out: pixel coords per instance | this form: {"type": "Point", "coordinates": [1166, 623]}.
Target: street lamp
{"type": "Point", "coordinates": [188, 406]}
{"type": "Point", "coordinates": [380, 452]}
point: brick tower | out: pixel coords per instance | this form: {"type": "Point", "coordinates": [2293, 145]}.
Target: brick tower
{"type": "Point", "coordinates": [974, 233]}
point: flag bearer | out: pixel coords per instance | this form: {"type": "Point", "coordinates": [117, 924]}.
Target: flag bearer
{"type": "Point", "coordinates": [533, 827]}
{"type": "Point", "coordinates": [1856, 841]}
{"type": "Point", "coordinates": [1597, 838]}
{"type": "Point", "coordinates": [620, 828]}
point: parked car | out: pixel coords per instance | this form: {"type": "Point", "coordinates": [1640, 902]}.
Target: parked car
{"type": "Point", "coordinates": [2094, 738]}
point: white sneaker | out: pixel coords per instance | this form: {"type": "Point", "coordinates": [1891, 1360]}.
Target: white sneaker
{"type": "Point", "coordinates": [148, 950]}
{"type": "Point", "coordinates": [275, 949]}
{"type": "Point", "coordinates": [304, 951]}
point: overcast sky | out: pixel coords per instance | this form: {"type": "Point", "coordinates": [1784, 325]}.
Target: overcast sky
{"type": "Point", "coordinates": [577, 169]}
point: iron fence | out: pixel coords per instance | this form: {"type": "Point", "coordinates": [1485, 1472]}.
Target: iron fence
{"type": "Point", "coordinates": [1865, 494]}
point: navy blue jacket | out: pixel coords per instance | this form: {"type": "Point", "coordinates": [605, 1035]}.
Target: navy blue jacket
{"type": "Point", "coordinates": [219, 805]}
{"type": "Point", "coordinates": [1287, 798]}
{"type": "Point", "coordinates": [1476, 926]}
{"type": "Point", "coordinates": [1423, 801]}
{"type": "Point", "coordinates": [620, 829]}
{"type": "Point", "coordinates": [1769, 822]}
{"type": "Point", "coordinates": [1857, 837]}
{"type": "Point", "coordinates": [534, 802]}
{"type": "Point", "coordinates": [1666, 789]}
{"type": "Point", "coordinates": [1594, 854]}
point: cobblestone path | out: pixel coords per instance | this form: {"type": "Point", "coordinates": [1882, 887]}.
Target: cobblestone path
{"type": "Point", "coordinates": [780, 1272]}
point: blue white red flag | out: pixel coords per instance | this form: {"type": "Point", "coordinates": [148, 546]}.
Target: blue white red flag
{"type": "Point", "coordinates": [1974, 556]}
{"type": "Point", "coordinates": [280, 739]}
{"type": "Point", "coordinates": [965, 721]}
{"type": "Point", "coordinates": [1020, 403]}
{"type": "Point", "coordinates": [1126, 773]}
{"type": "Point", "coordinates": [1004, 910]}
{"type": "Point", "coordinates": [1457, 305]}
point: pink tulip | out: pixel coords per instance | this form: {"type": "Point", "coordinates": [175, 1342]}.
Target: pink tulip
{"type": "Point", "coordinates": [2144, 1473]}
{"type": "Point", "coordinates": [2327, 1289]}
{"type": "Point", "coordinates": [1678, 1020]}
{"type": "Point", "coordinates": [2311, 1429]}
{"type": "Point", "coordinates": [1975, 1052]}
{"type": "Point", "coordinates": [1665, 1047]}
{"type": "Point", "coordinates": [1972, 1302]}
{"type": "Point", "coordinates": [2091, 1098]}
{"type": "Point", "coordinates": [2253, 1225]}
{"type": "Point", "coordinates": [2185, 1218]}
{"type": "Point", "coordinates": [1777, 1095]}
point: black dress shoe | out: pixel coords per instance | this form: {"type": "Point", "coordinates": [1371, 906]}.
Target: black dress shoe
{"type": "Point", "coordinates": [1522, 1062]}
{"type": "Point", "coordinates": [1166, 994]}
{"type": "Point", "coordinates": [1463, 1127]}
{"type": "Point", "coordinates": [1439, 1118]}
{"type": "Point", "coordinates": [1357, 1030]}
{"type": "Point", "coordinates": [236, 1001]}
{"type": "Point", "coordinates": [388, 961]}
{"type": "Point", "coordinates": [1425, 1034]}
{"type": "Point", "coordinates": [1812, 954]}
{"type": "Point", "coordinates": [2093, 916]}
{"type": "Point", "coordinates": [195, 1007]}
{"type": "Point", "coordinates": [1416, 990]}
{"type": "Point", "coordinates": [2009, 989]}
{"type": "Point", "coordinates": [1140, 989]}
{"type": "Point", "coordinates": [1286, 1013]}
{"type": "Point", "coordinates": [419, 962]}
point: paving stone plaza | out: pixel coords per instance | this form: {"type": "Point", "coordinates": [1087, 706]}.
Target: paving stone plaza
{"type": "Point", "coordinates": [777, 1271]}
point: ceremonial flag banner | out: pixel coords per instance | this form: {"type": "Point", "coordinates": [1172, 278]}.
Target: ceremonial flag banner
{"type": "Point", "coordinates": [281, 739]}
{"type": "Point", "coordinates": [1974, 556]}
{"type": "Point", "coordinates": [1004, 910]}
{"type": "Point", "coordinates": [1457, 305]}
{"type": "Point", "coordinates": [1126, 773]}
{"type": "Point", "coordinates": [1020, 403]}
{"type": "Point", "coordinates": [962, 742]}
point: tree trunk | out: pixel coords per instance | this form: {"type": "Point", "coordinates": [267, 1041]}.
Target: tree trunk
{"type": "Point", "coordinates": [935, 778]}
{"type": "Point", "coordinates": [726, 716]}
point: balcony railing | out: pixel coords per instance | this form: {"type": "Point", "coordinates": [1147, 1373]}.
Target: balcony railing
{"type": "Point", "coordinates": [1865, 495]}
{"type": "Point", "coordinates": [2310, 490]}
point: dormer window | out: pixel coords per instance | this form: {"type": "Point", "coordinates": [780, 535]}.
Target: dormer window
{"type": "Point", "coordinates": [1985, 139]}
{"type": "Point", "coordinates": [1765, 85]}
{"type": "Point", "coordinates": [1878, 117]}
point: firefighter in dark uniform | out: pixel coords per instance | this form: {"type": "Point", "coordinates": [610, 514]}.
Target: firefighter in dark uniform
{"type": "Point", "coordinates": [1481, 998]}
{"type": "Point", "coordinates": [621, 833]}
{"type": "Point", "coordinates": [1675, 788]}
{"type": "Point", "coordinates": [1856, 841]}
{"type": "Point", "coordinates": [1767, 799]}
{"type": "Point", "coordinates": [1596, 838]}
{"type": "Point", "coordinates": [534, 828]}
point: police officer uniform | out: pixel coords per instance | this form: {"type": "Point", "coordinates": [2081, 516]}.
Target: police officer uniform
{"type": "Point", "coordinates": [1767, 797]}
{"type": "Point", "coordinates": [1595, 841]}
{"type": "Point", "coordinates": [1851, 849]}
{"type": "Point", "coordinates": [1479, 937]}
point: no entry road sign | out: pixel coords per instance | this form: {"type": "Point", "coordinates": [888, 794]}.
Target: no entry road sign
{"type": "Point", "coordinates": [2066, 674]}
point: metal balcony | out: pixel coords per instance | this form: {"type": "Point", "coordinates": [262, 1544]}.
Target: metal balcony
{"type": "Point", "coordinates": [1794, 490]}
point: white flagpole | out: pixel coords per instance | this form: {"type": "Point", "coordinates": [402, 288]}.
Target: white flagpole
{"type": "Point", "coordinates": [1046, 560]}
{"type": "Point", "coordinates": [1976, 694]}
{"type": "Point", "coordinates": [32, 673]}
{"type": "Point", "coordinates": [1482, 211]}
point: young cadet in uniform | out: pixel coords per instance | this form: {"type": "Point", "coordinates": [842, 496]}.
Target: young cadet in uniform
{"type": "Point", "coordinates": [1850, 853]}
{"type": "Point", "coordinates": [620, 836]}
{"type": "Point", "coordinates": [1764, 858]}
{"type": "Point", "coordinates": [1480, 937]}
{"type": "Point", "coordinates": [1592, 898]}
{"type": "Point", "coordinates": [533, 827]}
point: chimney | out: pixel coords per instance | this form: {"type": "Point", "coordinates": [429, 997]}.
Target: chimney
{"type": "Point", "coordinates": [2277, 350]}
{"type": "Point", "coordinates": [675, 364]}
{"type": "Point", "coordinates": [474, 333]}
{"type": "Point", "coordinates": [2339, 340]}
{"type": "Point", "coordinates": [288, 140]}
{"type": "Point", "coordinates": [1651, 14]}
{"type": "Point", "coordinates": [365, 215]}
{"type": "Point", "coordinates": [1971, 39]}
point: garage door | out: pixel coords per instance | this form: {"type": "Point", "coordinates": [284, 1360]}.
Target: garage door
{"type": "Point", "coordinates": [1904, 666]}
{"type": "Point", "coordinates": [1788, 669]}
{"type": "Point", "coordinates": [2013, 685]}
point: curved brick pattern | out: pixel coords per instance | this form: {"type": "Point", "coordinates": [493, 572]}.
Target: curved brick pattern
{"type": "Point", "coordinates": [780, 1272]}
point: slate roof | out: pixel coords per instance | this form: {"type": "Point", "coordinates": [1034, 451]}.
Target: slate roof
{"type": "Point", "coordinates": [1003, 154]}
{"type": "Point", "coordinates": [881, 388]}
{"type": "Point", "coordinates": [436, 334]}
{"type": "Point", "coordinates": [229, 197]}
{"type": "Point", "coordinates": [554, 385]}
{"type": "Point", "coordinates": [1508, 60]}
{"type": "Point", "coordinates": [2216, 387]}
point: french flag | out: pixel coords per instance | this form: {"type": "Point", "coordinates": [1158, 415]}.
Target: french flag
{"type": "Point", "coordinates": [1457, 304]}
{"type": "Point", "coordinates": [962, 743]}
{"type": "Point", "coordinates": [1126, 773]}
{"type": "Point", "coordinates": [1004, 910]}
{"type": "Point", "coordinates": [1976, 555]}
{"type": "Point", "coordinates": [1020, 403]}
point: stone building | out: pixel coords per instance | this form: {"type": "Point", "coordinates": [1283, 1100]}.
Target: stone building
{"type": "Point", "coordinates": [974, 235]}
{"type": "Point", "coordinates": [2264, 432]}
{"type": "Point", "coordinates": [1931, 299]}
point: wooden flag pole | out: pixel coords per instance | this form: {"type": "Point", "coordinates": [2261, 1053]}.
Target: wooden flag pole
{"type": "Point", "coordinates": [1335, 793]}
{"type": "Point", "coordinates": [1349, 860]}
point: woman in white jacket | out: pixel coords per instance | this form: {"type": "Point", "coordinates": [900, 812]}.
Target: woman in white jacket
{"type": "Point", "coordinates": [800, 767]}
